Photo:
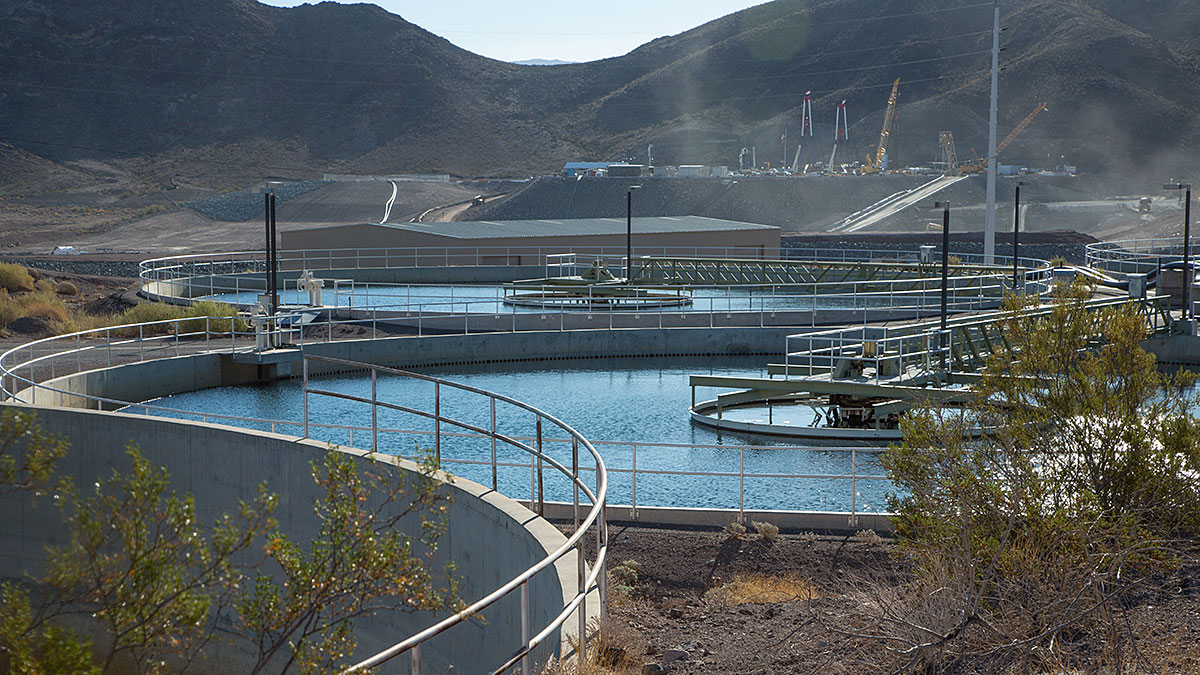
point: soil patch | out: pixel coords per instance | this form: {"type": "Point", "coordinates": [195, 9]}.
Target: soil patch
{"type": "Point", "coordinates": [670, 619]}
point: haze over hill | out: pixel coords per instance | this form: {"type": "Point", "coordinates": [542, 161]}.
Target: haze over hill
{"type": "Point", "coordinates": [226, 91]}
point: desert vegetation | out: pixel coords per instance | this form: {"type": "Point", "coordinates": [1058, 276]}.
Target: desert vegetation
{"type": "Point", "coordinates": [1027, 544]}
{"type": "Point", "coordinates": [33, 305]}
{"type": "Point", "coordinates": [162, 590]}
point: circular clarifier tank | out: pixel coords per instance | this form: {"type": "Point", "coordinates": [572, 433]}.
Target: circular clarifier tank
{"type": "Point", "coordinates": [634, 410]}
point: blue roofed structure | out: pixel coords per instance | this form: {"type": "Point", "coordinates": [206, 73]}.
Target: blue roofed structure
{"type": "Point", "coordinates": [584, 168]}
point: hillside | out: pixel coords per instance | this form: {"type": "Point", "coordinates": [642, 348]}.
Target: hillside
{"type": "Point", "coordinates": [226, 91]}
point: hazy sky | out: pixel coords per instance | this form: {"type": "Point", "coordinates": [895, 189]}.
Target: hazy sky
{"type": "Point", "coordinates": [568, 30]}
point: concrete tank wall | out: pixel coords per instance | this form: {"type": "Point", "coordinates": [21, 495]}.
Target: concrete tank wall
{"type": "Point", "coordinates": [137, 382]}
{"type": "Point", "coordinates": [490, 537]}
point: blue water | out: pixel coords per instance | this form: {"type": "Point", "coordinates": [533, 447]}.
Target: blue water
{"type": "Point", "coordinates": [622, 400]}
{"type": "Point", "coordinates": [489, 299]}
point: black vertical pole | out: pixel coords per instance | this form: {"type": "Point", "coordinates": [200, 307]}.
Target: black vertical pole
{"type": "Point", "coordinates": [1016, 229]}
{"type": "Point", "coordinates": [945, 278]}
{"type": "Point", "coordinates": [267, 245]}
{"type": "Point", "coordinates": [271, 261]}
{"type": "Point", "coordinates": [629, 236]}
{"type": "Point", "coordinates": [1187, 235]}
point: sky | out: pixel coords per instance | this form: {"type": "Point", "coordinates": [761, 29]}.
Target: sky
{"type": "Point", "coordinates": [567, 30]}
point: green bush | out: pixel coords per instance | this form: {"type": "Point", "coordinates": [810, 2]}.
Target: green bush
{"type": "Point", "coordinates": [1087, 471]}
{"type": "Point", "coordinates": [212, 308]}
{"type": "Point", "coordinates": [14, 277]}
{"type": "Point", "coordinates": [153, 311]}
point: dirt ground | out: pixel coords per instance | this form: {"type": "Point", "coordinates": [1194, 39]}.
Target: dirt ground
{"type": "Point", "coordinates": [681, 617]}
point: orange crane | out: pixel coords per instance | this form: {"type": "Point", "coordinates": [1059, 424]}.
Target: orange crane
{"type": "Point", "coordinates": [877, 163]}
{"type": "Point", "coordinates": [981, 164]}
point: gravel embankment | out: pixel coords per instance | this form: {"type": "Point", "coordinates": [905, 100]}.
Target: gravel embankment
{"type": "Point", "coordinates": [81, 265]}
{"type": "Point", "coordinates": [243, 205]}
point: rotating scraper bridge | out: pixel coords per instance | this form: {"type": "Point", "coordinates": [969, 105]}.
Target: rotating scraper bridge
{"type": "Point", "coordinates": [839, 322]}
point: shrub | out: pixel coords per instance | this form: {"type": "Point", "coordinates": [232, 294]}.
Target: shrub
{"type": "Point", "coordinates": [14, 277]}
{"type": "Point", "coordinates": [868, 537]}
{"type": "Point", "coordinates": [766, 531]}
{"type": "Point", "coordinates": [146, 312]}
{"type": "Point", "coordinates": [735, 530]}
{"type": "Point", "coordinates": [55, 312]}
{"type": "Point", "coordinates": [9, 310]}
{"type": "Point", "coordinates": [1026, 541]}
{"type": "Point", "coordinates": [612, 648]}
{"type": "Point", "coordinates": [625, 576]}
{"type": "Point", "coordinates": [66, 288]}
{"type": "Point", "coordinates": [747, 588]}
{"type": "Point", "coordinates": [212, 308]}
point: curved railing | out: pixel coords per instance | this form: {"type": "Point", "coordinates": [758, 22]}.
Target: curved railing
{"type": "Point", "coordinates": [242, 271]}
{"type": "Point", "coordinates": [26, 372]}
{"type": "Point", "coordinates": [137, 342]}
{"type": "Point", "coordinates": [587, 581]}
{"type": "Point", "coordinates": [1137, 256]}
{"type": "Point", "coordinates": [238, 278]}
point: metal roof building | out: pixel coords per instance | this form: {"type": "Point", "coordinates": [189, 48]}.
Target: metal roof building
{"type": "Point", "coordinates": [576, 168]}
{"type": "Point", "coordinates": [663, 235]}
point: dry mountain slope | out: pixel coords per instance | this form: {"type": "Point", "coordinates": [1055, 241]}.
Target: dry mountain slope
{"type": "Point", "coordinates": [255, 90]}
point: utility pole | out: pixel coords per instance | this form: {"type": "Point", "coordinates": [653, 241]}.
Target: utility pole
{"type": "Point", "coordinates": [989, 225]}
{"type": "Point", "coordinates": [945, 207]}
{"type": "Point", "coordinates": [629, 234]}
{"type": "Point", "coordinates": [270, 252]}
{"type": "Point", "coordinates": [1188, 277]}
{"type": "Point", "coordinates": [1016, 229]}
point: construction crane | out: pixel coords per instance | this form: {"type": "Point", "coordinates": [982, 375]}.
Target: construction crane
{"type": "Point", "coordinates": [947, 154]}
{"type": "Point", "coordinates": [841, 132]}
{"type": "Point", "coordinates": [980, 164]}
{"type": "Point", "coordinates": [878, 163]}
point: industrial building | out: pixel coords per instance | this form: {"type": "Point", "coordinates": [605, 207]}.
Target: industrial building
{"type": "Point", "coordinates": [664, 235]}
{"type": "Point", "coordinates": [572, 169]}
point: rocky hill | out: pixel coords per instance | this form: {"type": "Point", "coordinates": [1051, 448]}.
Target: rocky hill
{"type": "Point", "coordinates": [227, 91]}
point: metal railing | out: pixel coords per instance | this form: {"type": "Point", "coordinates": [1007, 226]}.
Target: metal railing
{"type": "Point", "coordinates": [177, 267]}
{"type": "Point", "coordinates": [25, 370]}
{"type": "Point", "coordinates": [887, 352]}
{"type": "Point", "coordinates": [57, 355]}
{"type": "Point", "coordinates": [1137, 256]}
{"type": "Point", "coordinates": [892, 351]}
{"type": "Point", "coordinates": [539, 460]}
{"type": "Point", "coordinates": [417, 300]}
{"type": "Point", "coordinates": [559, 259]}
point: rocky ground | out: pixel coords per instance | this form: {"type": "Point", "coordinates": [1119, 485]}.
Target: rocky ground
{"type": "Point", "coordinates": [703, 602]}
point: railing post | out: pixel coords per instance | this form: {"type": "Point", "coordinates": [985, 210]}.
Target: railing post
{"type": "Point", "coordinates": [581, 575]}
{"type": "Point", "coordinates": [416, 659]}
{"type": "Point", "coordinates": [494, 486]}
{"type": "Point", "coordinates": [540, 477]}
{"type": "Point", "coordinates": [304, 369]}
{"type": "Point", "coordinates": [525, 660]}
{"type": "Point", "coordinates": [853, 487]}
{"type": "Point", "coordinates": [602, 543]}
{"type": "Point", "coordinates": [633, 470]}
{"type": "Point", "coordinates": [742, 486]}
{"type": "Point", "coordinates": [374, 411]}
{"type": "Point", "coordinates": [437, 423]}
